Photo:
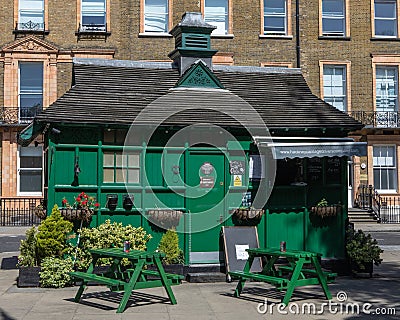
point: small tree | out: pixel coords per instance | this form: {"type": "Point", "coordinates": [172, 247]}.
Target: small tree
{"type": "Point", "coordinates": [52, 235]}
{"type": "Point", "coordinates": [28, 250]}
{"type": "Point", "coordinates": [169, 244]}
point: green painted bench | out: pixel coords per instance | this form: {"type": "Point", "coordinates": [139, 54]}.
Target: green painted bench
{"type": "Point", "coordinates": [280, 283]}
{"type": "Point", "coordinates": [330, 276]}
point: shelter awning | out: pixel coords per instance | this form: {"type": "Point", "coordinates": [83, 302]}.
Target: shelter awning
{"type": "Point", "coordinates": [26, 136]}
{"type": "Point", "coordinates": [338, 148]}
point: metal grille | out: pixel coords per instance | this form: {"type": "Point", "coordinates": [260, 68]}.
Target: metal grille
{"type": "Point", "coordinates": [19, 211]}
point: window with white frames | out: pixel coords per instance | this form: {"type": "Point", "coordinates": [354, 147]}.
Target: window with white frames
{"type": "Point", "coordinates": [335, 88]}
{"type": "Point", "coordinates": [386, 88]}
{"type": "Point", "coordinates": [333, 18]}
{"type": "Point", "coordinates": [93, 15]}
{"type": "Point", "coordinates": [385, 18]}
{"type": "Point", "coordinates": [30, 15]}
{"type": "Point", "coordinates": [275, 17]}
{"type": "Point", "coordinates": [30, 90]}
{"type": "Point", "coordinates": [216, 14]}
{"type": "Point", "coordinates": [156, 16]}
{"type": "Point", "coordinates": [30, 164]}
{"type": "Point", "coordinates": [385, 171]}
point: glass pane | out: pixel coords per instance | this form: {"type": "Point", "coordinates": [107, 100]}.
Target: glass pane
{"type": "Point", "coordinates": [156, 15]}
{"type": "Point", "coordinates": [274, 24]}
{"type": "Point", "coordinates": [108, 159]}
{"type": "Point", "coordinates": [386, 89]}
{"type": "Point", "coordinates": [133, 176]}
{"type": "Point", "coordinates": [119, 175]}
{"type": "Point", "coordinates": [332, 7]}
{"type": "Point", "coordinates": [30, 162]}
{"type": "Point", "coordinates": [274, 6]}
{"type": "Point", "coordinates": [385, 9]}
{"type": "Point", "coordinates": [30, 181]}
{"type": "Point", "coordinates": [118, 160]}
{"type": "Point", "coordinates": [392, 177]}
{"type": "Point", "coordinates": [108, 175]}
{"type": "Point", "coordinates": [216, 13]}
{"type": "Point", "coordinates": [31, 101]}
{"type": "Point", "coordinates": [385, 28]}
{"type": "Point", "coordinates": [95, 20]}
{"type": "Point", "coordinates": [31, 4]}
{"type": "Point", "coordinates": [335, 26]}
{"type": "Point", "coordinates": [35, 17]}
{"type": "Point", "coordinates": [133, 160]}
{"type": "Point", "coordinates": [31, 77]}
{"type": "Point", "coordinates": [377, 179]}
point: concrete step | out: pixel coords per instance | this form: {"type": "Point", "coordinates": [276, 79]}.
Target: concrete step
{"type": "Point", "coordinates": [201, 277]}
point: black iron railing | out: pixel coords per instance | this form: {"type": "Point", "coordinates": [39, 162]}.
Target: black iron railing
{"type": "Point", "coordinates": [385, 209]}
{"type": "Point", "coordinates": [20, 211]}
{"type": "Point", "coordinates": [378, 119]}
{"type": "Point", "coordinates": [29, 26]}
{"type": "Point", "coordinates": [93, 31]}
{"type": "Point", "coordinates": [14, 115]}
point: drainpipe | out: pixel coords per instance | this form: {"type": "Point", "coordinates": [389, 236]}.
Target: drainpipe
{"type": "Point", "coordinates": [298, 33]}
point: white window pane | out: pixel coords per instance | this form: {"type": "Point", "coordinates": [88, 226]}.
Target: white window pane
{"type": "Point", "coordinates": [334, 82]}
{"type": "Point", "coordinates": [133, 176]}
{"type": "Point", "coordinates": [108, 159]}
{"type": "Point", "coordinates": [386, 88]}
{"type": "Point", "coordinates": [31, 4]}
{"type": "Point", "coordinates": [108, 175]}
{"type": "Point", "coordinates": [156, 16]}
{"type": "Point", "coordinates": [119, 175]}
{"type": "Point", "coordinates": [216, 14]}
{"type": "Point", "coordinates": [30, 181]}
{"type": "Point", "coordinates": [118, 160]}
{"type": "Point", "coordinates": [133, 160]}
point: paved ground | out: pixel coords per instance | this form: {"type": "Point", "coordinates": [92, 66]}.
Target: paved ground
{"type": "Point", "coordinates": [209, 300]}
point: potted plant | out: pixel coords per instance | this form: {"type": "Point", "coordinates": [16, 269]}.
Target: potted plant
{"type": "Point", "coordinates": [246, 213]}
{"type": "Point", "coordinates": [363, 252]}
{"type": "Point", "coordinates": [324, 209]}
{"type": "Point", "coordinates": [169, 245]}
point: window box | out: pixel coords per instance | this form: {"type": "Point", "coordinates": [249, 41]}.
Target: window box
{"type": "Point", "coordinates": [327, 211]}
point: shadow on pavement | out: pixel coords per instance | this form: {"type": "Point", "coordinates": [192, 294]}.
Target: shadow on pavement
{"type": "Point", "coordinates": [9, 263]}
{"type": "Point", "coordinates": [5, 316]}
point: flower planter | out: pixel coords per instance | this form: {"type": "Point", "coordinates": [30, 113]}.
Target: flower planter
{"type": "Point", "coordinates": [327, 211]}
{"type": "Point", "coordinates": [248, 214]}
{"type": "Point", "coordinates": [28, 277]}
{"type": "Point", "coordinates": [76, 214]}
{"type": "Point", "coordinates": [165, 218]}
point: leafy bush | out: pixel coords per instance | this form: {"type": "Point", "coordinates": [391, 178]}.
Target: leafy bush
{"type": "Point", "coordinates": [28, 252]}
{"type": "Point", "coordinates": [362, 249]}
{"type": "Point", "coordinates": [55, 272]}
{"type": "Point", "coordinates": [52, 235]}
{"type": "Point", "coordinates": [105, 236]}
{"type": "Point", "coordinates": [169, 244]}
{"type": "Point", "coordinates": [49, 240]}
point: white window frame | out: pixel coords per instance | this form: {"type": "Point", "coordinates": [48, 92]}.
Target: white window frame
{"type": "Point", "coordinates": [387, 96]}
{"type": "Point", "coordinates": [22, 10]}
{"type": "Point", "coordinates": [95, 11]}
{"type": "Point", "coordinates": [395, 18]}
{"type": "Point", "coordinates": [344, 96]}
{"type": "Point", "coordinates": [210, 18]}
{"type": "Point", "coordinates": [386, 168]}
{"type": "Point", "coordinates": [333, 16]}
{"type": "Point", "coordinates": [19, 169]}
{"type": "Point", "coordinates": [33, 92]}
{"type": "Point", "coordinates": [276, 15]}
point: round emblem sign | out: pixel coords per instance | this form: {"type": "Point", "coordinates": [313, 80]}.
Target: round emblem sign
{"type": "Point", "coordinates": [207, 168]}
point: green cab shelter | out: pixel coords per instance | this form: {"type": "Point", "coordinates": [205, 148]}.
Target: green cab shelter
{"type": "Point", "coordinates": [195, 145]}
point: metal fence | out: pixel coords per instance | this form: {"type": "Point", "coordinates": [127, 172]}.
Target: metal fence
{"type": "Point", "coordinates": [19, 211]}
{"type": "Point", "coordinates": [386, 209]}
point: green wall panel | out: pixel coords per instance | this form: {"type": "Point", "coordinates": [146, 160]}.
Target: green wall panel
{"type": "Point", "coordinates": [88, 167]}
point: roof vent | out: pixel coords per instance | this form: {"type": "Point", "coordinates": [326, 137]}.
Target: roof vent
{"type": "Point", "coordinates": [192, 41]}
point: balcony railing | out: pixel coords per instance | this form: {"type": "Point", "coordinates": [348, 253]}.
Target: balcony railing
{"type": "Point", "coordinates": [378, 119]}
{"type": "Point", "coordinates": [93, 31]}
{"type": "Point", "coordinates": [15, 115]}
{"type": "Point", "coordinates": [30, 27]}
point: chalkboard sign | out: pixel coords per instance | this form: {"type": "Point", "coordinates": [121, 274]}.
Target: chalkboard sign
{"type": "Point", "coordinates": [236, 241]}
{"type": "Point", "coordinates": [333, 170]}
{"type": "Point", "coordinates": [314, 171]}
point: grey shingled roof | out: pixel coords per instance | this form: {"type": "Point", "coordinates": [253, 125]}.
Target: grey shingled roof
{"type": "Point", "coordinates": [114, 92]}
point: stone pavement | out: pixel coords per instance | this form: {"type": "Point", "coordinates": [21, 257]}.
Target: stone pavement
{"type": "Point", "coordinates": [209, 300]}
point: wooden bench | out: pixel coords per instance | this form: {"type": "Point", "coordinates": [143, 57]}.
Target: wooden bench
{"type": "Point", "coordinates": [175, 278]}
{"type": "Point", "coordinates": [280, 283]}
{"type": "Point", "coordinates": [330, 276]}
{"type": "Point", "coordinates": [98, 278]}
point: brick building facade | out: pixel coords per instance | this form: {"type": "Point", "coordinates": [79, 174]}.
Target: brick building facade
{"type": "Point", "coordinates": [348, 51]}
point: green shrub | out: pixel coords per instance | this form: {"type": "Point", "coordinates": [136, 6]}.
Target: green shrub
{"type": "Point", "coordinates": [52, 235]}
{"type": "Point", "coordinates": [105, 236]}
{"type": "Point", "coordinates": [362, 249]}
{"type": "Point", "coordinates": [55, 272]}
{"type": "Point", "coordinates": [28, 251]}
{"type": "Point", "coordinates": [169, 244]}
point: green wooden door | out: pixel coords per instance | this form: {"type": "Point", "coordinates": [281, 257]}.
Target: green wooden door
{"type": "Point", "coordinates": [205, 200]}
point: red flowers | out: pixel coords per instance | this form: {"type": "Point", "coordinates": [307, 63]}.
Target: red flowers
{"type": "Point", "coordinates": [82, 201]}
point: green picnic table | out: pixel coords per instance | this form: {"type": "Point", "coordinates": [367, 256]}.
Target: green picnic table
{"type": "Point", "coordinates": [285, 277]}
{"type": "Point", "coordinates": [135, 276]}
